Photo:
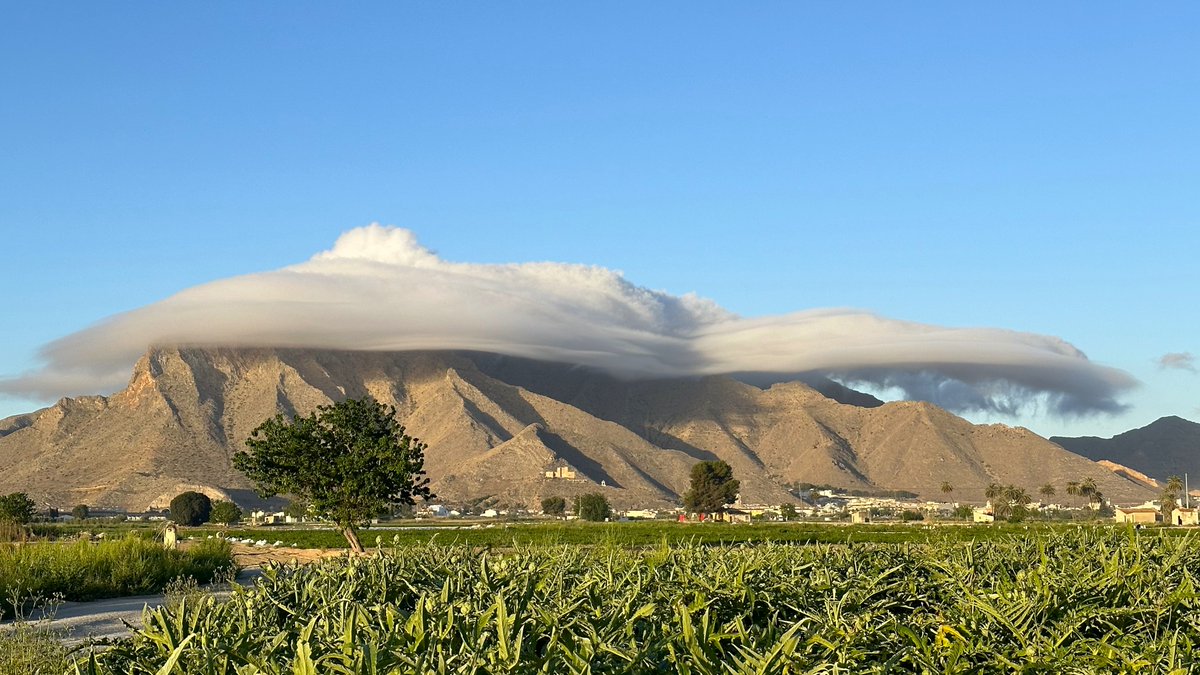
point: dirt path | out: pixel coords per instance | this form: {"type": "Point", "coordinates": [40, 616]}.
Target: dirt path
{"type": "Point", "coordinates": [254, 557]}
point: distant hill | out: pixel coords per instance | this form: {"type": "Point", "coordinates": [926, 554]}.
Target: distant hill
{"type": "Point", "coordinates": [496, 425]}
{"type": "Point", "coordinates": [1166, 447]}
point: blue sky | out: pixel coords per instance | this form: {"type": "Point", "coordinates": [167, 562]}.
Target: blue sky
{"type": "Point", "coordinates": [1017, 166]}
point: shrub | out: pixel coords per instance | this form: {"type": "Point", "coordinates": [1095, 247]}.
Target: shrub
{"type": "Point", "coordinates": [191, 508]}
{"type": "Point", "coordinates": [554, 506]}
{"type": "Point", "coordinates": [80, 512]}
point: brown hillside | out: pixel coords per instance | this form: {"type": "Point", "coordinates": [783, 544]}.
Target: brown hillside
{"type": "Point", "coordinates": [495, 424]}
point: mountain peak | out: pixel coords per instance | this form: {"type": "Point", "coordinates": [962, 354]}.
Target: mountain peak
{"type": "Point", "coordinates": [1166, 447]}
{"type": "Point", "coordinates": [495, 423]}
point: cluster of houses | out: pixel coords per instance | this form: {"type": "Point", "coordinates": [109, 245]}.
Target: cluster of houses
{"type": "Point", "coordinates": [1151, 513]}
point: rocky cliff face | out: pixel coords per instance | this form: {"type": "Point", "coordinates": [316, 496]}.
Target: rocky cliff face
{"type": "Point", "coordinates": [495, 425]}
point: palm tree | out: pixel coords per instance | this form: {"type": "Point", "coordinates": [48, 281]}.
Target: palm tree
{"type": "Point", "coordinates": [947, 488]}
{"type": "Point", "coordinates": [1073, 488]}
{"type": "Point", "coordinates": [997, 494]}
{"type": "Point", "coordinates": [1088, 489]}
{"type": "Point", "coordinates": [1047, 490]}
{"type": "Point", "coordinates": [1018, 502]}
{"type": "Point", "coordinates": [1175, 484]}
{"type": "Point", "coordinates": [1170, 496]}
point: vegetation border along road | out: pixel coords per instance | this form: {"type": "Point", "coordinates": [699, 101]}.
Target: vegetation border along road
{"type": "Point", "coordinates": [83, 570]}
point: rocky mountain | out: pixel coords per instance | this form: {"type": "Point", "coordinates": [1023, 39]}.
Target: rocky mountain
{"type": "Point", "coordinates": [1169, 446]}
{"type": "Point", "coordinates": [516, 430]}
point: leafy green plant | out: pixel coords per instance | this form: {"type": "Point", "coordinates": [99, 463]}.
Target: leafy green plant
{"type": "Point", "coordinates": [1077, 600]}
{"type": "Point", "coordinates": [351, 461]}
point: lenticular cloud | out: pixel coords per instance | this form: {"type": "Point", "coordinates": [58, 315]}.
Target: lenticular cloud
{"type": "Point", "coordinates": [379, 289]}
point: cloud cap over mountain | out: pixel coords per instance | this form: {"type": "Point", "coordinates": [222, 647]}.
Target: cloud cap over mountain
{"type": "Point", "coordinates": [379, 289]}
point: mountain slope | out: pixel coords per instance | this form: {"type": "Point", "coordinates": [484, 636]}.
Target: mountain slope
{"type": "Point", "coordinates": [495, 425]}
{"type": "Point", "coordinates": [1169, 446]}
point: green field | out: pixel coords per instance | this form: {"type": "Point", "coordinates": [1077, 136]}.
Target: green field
{"type": "Point", "coordinates": [1079, 600]}
{"type": "Point", "coordinates": [641, 534]}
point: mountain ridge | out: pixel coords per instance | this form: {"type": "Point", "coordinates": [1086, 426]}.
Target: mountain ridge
{"type": "Point", "coordinates": [1167, 446]}
{"type": "Point", "coordinates": [495, 424]}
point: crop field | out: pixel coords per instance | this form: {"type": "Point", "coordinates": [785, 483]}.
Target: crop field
{"type": "Point", "coordinates": [643, 533]}
{"type": "Point", "coordinates": [1078, 600]}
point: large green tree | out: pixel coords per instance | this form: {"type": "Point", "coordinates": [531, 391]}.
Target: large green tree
{"type": "Point", "coordinates": [191, 508]}
{"type": "Point", "coordinates": [593, 506]}
{"type": "Point", "coordinates": [17, 508]}
{"type": "Point", "coordinates": [225, 513]}
{"type": "Point", "coordinates": [713, 487]}
{"type": "Point", "coordinates": [350, 461]}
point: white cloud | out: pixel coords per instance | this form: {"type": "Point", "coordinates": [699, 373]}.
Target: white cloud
{"type": "Point", "coordinates": [379, 289]}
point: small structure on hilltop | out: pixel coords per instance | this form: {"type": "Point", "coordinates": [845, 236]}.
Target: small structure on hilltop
{"type": "Point", "coordinates": [1137, 514]}
{"type": "Point", "coordinates": [561, 471]}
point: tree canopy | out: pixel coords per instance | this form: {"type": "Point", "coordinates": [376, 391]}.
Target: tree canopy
{"type": "Point", "coordinates": [225, 513]}
{"type": "Point", "coordinates": [713, 487]}
{"type": "Point", "coordinates": [592, 506]}
{"type": "Point", "coordinates": [350, 461]}
{"type": "Point", "coordinates": [1009, 502]}
{"type": "Point", "coordinates": [17, 508]}
{"type": "Point", "coordinates": [80, 512]}
{"type": "Point", "coordinates": [554, 506]}
{"type": "Point", "coordinates": [191, 508]}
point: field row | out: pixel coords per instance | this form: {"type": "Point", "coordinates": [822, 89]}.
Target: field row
{"type": "Point", "coordinates": [655, 533]}
{"type": "Point", "coordinates": [1081, 600]}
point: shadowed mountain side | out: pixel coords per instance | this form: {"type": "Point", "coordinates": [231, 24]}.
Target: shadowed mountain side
{"type": "Point", "coordinates": [1168, 446]}
{"type": "Point", "coordinates": [495, 425]}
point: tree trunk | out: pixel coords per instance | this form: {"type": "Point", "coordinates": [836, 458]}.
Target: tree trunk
{"type": "Point", "coordinates": [352, 536]}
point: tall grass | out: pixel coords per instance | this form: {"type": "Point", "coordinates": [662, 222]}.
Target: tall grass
{"type": "Point", "coordinates": [33, 646]}
{"type": "Point", "coordinates": [1080, 601]}
{"type": "Point", "coordinates": [32, 649]}
{"type": "Point", "coordinates": [86, 571]}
